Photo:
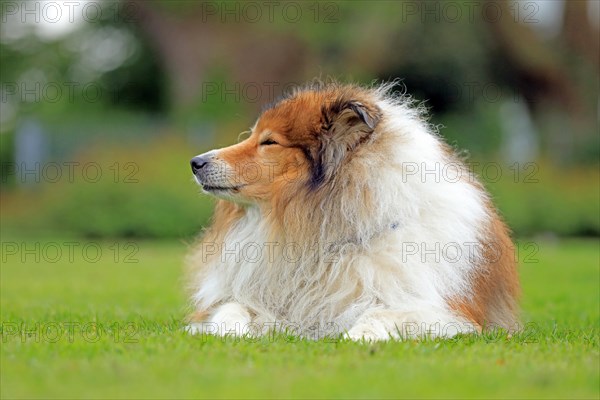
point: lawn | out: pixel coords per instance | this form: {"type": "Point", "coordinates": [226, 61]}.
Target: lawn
{"type": "Point", "coordinates": [82, 320]}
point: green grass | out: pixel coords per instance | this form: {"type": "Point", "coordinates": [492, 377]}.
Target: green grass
{"type": "Point", "coordinates": [125, 340]}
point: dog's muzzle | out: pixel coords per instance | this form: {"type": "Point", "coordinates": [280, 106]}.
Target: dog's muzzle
{"type": "Point", "coordinates": [207, 170]}
{"type": "Point", "coordinates": [199, 162]}
{"type": "Point", "coordinates": [211, 173]}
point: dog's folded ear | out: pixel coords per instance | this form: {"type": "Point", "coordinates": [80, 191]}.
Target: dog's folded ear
{"type": "Point", "coordinates": [369, 116]}
{"type": "Point", "coordinates": [349, 116]}
{"type": "Point", "coordinates": [346, 124]}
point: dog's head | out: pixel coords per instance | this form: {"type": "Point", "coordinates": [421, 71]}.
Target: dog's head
{"type": "Point", "coordinates": [298, 143]}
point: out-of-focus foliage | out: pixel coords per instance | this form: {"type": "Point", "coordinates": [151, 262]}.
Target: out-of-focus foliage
{"type": "Point", "coordinates": [175, 80]}
{"type": "Point", "coordinates": [143, 190]}
{"type": "Point", "coordinates": [547, 199]}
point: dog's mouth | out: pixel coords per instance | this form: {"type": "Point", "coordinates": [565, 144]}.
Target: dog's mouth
{"type": "Point", "coordinates": [217, 188]}
{"type": "Point", "coordinates": [209, 188]}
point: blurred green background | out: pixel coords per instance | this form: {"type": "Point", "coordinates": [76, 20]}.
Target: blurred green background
{"type": "Point", "coordinates": [103, 103]}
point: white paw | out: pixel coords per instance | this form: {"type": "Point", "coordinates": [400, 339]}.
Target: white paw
{"type": "Point", "coordinates": [231, 319]}
{"type": "Point", "coordinates": [367, 332]}
{"type": "Point", "coordinates": [389, 324]}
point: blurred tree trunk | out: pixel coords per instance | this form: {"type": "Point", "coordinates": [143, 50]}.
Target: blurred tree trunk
{"type": "Point", "coordinates": [189, 43]}
{"type": "Point", "coordinates": [538, 67]}
{"type": "Point", "coordinates": [183, 48]}
{"type": "Point", "coordinates": [578, 31]}
{"type": "Point", "coordinates": [558, 77]}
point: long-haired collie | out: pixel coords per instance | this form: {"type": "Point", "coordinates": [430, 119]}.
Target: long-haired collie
{"type": "Point", "coordinates": [344, 213]}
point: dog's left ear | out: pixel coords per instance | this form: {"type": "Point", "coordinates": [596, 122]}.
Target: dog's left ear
{"type": "Point", "coordinates": [345, 125]}
{"type": "Point", "coordinates": [369, 117]}
{"type": "Point", "coordinates": [349, 116]}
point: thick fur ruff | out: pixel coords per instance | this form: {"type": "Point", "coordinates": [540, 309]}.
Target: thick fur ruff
{"type": "Point", "coordinates": [345, 213]}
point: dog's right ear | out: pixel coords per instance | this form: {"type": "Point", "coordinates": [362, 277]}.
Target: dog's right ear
{"type": "Point", "coordinates": [345, 125]}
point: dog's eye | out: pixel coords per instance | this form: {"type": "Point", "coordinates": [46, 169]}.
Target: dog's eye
{"type": "Point", "coordinates": [268, 142]}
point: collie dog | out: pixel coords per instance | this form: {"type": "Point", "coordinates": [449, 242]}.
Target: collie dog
{"type": "Point", "coordinates": [345, 214]}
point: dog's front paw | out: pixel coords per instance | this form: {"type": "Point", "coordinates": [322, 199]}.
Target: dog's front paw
{"type": "Point", "coordinates": [231, 319]}
{"type": "Point", "coordinates": [368, 332]}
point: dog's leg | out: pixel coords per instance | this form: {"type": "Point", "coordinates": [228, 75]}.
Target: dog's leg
{"type": "Point", "coordinates": [385, 324]}
{"type": "Point", "coordinates": [228, 319]}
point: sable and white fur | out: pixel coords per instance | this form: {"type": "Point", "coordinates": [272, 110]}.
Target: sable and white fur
{"type": "Point", "coordinates": [382, 232]}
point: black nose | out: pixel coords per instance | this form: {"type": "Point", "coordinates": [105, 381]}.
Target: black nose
{"type": "Point", "coordinates": [199, 162]}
